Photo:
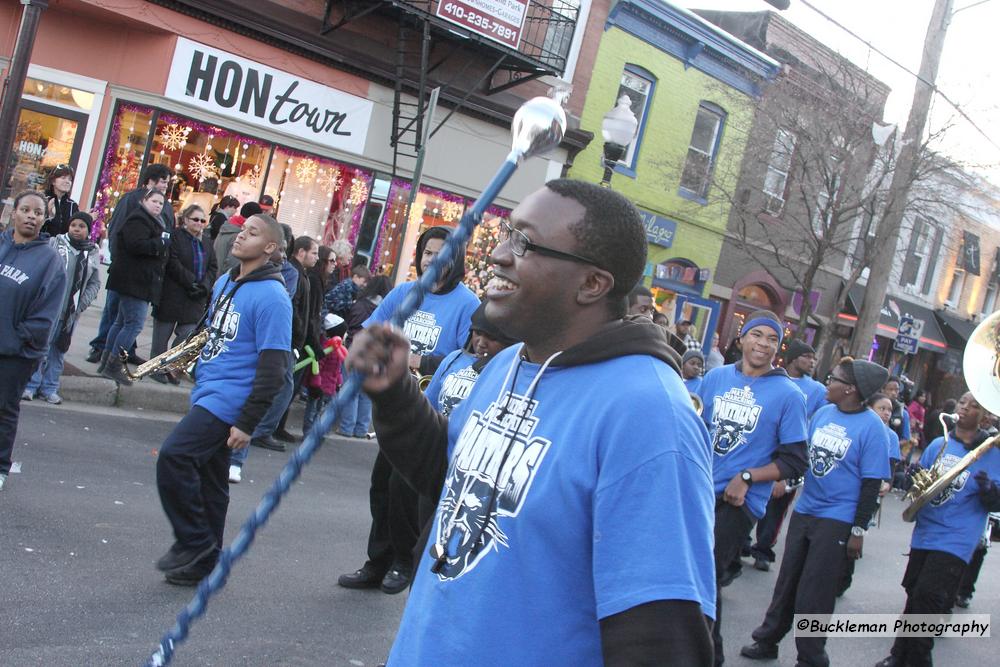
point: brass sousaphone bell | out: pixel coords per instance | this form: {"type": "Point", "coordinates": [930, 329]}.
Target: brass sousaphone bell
{"type": "Point", "coordinates": [981, 368]}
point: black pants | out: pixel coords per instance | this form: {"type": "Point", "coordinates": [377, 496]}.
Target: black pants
{"type": "Point", "coordinates": [732, 524]}
{"type": "Point", "coordinates": [14, 375]}
{"type": "Point", "coordinates": [192, 475]}
{"type": "Point", "coordinates": [395, 529]}
{"type": "Point", "coordinates": [931, 580]}
{"type": "Point", "coordinates": [769, 527]}
{"type": "Point", "coordinates": [815, 554]}
{"type": "Point", "coordinates": [968, 585]}
{"type": "Point", "coordinates": [297, 378]}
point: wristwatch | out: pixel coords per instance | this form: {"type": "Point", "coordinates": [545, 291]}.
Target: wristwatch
{"type": "Point", "coordinates": [746, 477]}
{"type": "Point", "coordinates": [857, 531]}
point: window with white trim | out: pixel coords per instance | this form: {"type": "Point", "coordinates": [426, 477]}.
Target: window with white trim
{"type": "Point", "coordinates": [639, 89]}
{"type": "Point", "coordinates": [989, 299]}
{"type": "Point", "coordinates": [703, 150]}
{"type": "Point", "coordinates": [778, 166]}
{"type": "Point", "coordinates": [828, 189]}
{"type": "Point", "coordinates": [956, 287]}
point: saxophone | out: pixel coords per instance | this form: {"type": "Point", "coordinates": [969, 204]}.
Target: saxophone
{"type": "Point", "coordinates": [177, 358]}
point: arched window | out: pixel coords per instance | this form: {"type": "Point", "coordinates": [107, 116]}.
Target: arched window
{"type": "Point", "coordinates": [638, 84]}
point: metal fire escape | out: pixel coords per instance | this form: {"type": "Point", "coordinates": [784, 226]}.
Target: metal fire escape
{"type": "Point", "coordinates": [426, 42]}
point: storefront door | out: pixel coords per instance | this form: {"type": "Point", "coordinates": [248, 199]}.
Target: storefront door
{"type": "Point", "coordinates": [703, 313]}
{"type": "Point", "coordinates": [47, 136]}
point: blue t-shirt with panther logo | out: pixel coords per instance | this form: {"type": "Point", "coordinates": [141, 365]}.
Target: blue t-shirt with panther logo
{"type": "Point", "coordinates": [259, 317]}
{"type": "Point", "coordinates": [954, 521]}
{"type": "Point", "coordinates": [452, 382]}
{"type": "Point", "coordinates": [748, 418]}
{"type": "Point", "coordinates": [844, 448]}
{"type": "Point", "coordinates": [441, 324]}
{"type": "Point", "coordinates": [558, 503]}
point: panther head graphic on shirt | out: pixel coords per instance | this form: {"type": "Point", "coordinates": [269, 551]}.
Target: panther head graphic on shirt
{"type": "Point", "coordinates": [947, 462]}
{"type": "Point", "coordinates": [494, 463]}
{"type": "Point", "coordinates": [423, 331]}
{"type": "Point", "coordinates": [827, 447]}
{"type": "Point", "coordinates": [734, 416]}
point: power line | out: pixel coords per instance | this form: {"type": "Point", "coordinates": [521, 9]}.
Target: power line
{"type": "Point", "coordinates": [903, 67]}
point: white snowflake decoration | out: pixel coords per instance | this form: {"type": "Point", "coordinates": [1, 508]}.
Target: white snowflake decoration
{"type": "Point", "coordinates": [359, 192]}
{"type": "Point", "coordinates": [451, 210]}
{"type": "Point", "coordinates": [306, 170]}
{"type": "Point", "coordinates": [202, 166]}
{"type": "Point", "coordinates": [329, 180]}
{"type": "Point", "coordinates": [173, 136]}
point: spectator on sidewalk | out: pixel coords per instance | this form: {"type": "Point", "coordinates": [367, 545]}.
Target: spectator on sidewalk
{"type": "Point", "coordinates": [221, 212]}
{"type": "Point", "coordinates": [32, 281]}
{"type": "Point", "coordinates": [356, 416]}
{"type": "Point", "coordinates": [153, 177]}
{"type": "Point", "coordinates": [345, 260]}
{"type": "Point", "coordinates": [342, 295]}
{"type": "Point", "coordinates": [59, 207]}
{"type": "Point", "coordinates": [187, 281]}
{"type": "Point", "coordinates": [83, 281]}
{"type": "Point", "coordinates": [136, 276]}
{"type": "Point", "coordinates": [714, 358]}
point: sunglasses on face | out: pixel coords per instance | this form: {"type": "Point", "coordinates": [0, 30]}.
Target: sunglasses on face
{"type": "Point", "coordinates": [197, 219]}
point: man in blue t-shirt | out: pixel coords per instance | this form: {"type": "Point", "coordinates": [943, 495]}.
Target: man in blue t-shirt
{"type": "Point", "coordinates": [439, 327]}
{"type": "Point", "coordinates": [575, 458]}
{"type": "Point", "coordinates": [757, 419]}
{"type": "Point", "coordinates": [240, 369]}
{"type": "Point", "coordinates": [800, 362]}
{"type": "Point", "coordinates": [948, 528]}
{"type": "Point", "coordinates": [847, 463]}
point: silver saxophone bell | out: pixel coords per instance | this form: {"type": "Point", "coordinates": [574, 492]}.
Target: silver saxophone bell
{"type": "Point", "coordinates": [539, 126]}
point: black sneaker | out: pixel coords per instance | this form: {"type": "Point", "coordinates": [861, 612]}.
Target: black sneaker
{"type": "Point", "coordinates": [158, 377]}
{"type": "Point", "coordinates": [178, 558]}
{"type": "Point", "coordinates": [963, 601]}
{"type": "Point", "coordinates": [285, 436]}
{"type": "Point", "coordinates": [395, 581]}
{"type": "Point", "coordinates": [184, 579]}
{"type": "Point", "coordinates": [732, 573]}
{"type": "Point", "coordinates": [94, 356]}
{"type": "Point", "coordinates": [760, 651]}
{"type": "Point", "coordinates": [135, 359]}
{"type": "Point", "coordinates": [267, 442]}
{"type": "Point", "coordinates": [891, 661]}
{"type": "Point", "coordinates": [363, 578]}
{"type": "Point", "coordinates": [761, 564]}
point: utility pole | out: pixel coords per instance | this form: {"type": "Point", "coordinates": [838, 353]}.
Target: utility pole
{"type": "Point", "coordinates": [887, 234]}
{"type": "Point", "coordinates": [14, 83]}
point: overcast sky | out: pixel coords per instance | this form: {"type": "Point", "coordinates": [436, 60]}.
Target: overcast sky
{"type": "Point", "coordinates": [968, 74]}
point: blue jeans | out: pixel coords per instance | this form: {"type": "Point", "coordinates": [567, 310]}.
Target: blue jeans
{"type": "Point", "coordinates": [357, 416]}
{"type": "Point", "coordinates": [108, 317]}
{"type": "Point", "coordinates": [314, 408]}
{"type": "Point", "coordinates": [45, 379]}
{"type": "Point", "coordinates": [128, 325]}
{"type": "Point", "coordinates": [271, 418]}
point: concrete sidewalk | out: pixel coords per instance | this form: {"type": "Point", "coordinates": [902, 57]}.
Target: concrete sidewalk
{"type": "Point", "coordinates": [81, 384]}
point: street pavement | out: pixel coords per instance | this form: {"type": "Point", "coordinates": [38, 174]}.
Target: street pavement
{"type": "Point", "coordinates": [81, 527]}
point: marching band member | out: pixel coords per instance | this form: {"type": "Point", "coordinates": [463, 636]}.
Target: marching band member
{"type": "Point", "coordinates": [947, 529]}
{"type": "Point", "coordinates": [553, 454]}
{"type": "Point", "coordinates": [847, 463]}
{"type": "Point", "coordinates": [757, 418]}
{"type": "Point", "coordinates": [240, 370]}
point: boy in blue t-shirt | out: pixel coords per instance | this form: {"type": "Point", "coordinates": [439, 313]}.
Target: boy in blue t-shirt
{"type": "Point", "coordinates": [757, 420]}
{"type": "Point", "coordinates": [947, 528]}
{"type": "Point", "coordinates": [847, 463]}
{"type": "Point", "coordinates": [547, 544]}
{"type": "Point", "coordinates": [439, 327]}
{"type": "Point", "coordinates": [240, 369]}
{"type": "Point", "coordinates": [692, 365]}
{"type": "Point", "coordinates": [800, 362]}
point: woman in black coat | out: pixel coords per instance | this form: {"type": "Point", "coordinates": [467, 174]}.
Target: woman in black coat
{"type": "Point", "coordinates": [58, 205]}
{"type": "Point", "coordinates": [187, 283]}
{"type": "Point", "coordinates": [137, 276]}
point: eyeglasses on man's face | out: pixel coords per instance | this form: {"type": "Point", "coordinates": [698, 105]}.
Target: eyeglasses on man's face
{"type": "Point", "coordinates": [830, 378]}
{"type": "Point", "coordinates": [520, 244]}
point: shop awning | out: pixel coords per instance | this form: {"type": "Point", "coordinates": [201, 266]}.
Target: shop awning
{"type": "Point", "coordinates": [892, 307]}
{"type": "Point", "coordinates": [956, 330]}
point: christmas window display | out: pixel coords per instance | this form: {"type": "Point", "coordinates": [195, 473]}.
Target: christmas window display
{"type": "Point", "coordinates": [208, 162]}
{"type": "Point", "coordinates": [431, 208]}
{"type": "Point", "coordinates": [316, 196]}
{"type": "Point", "coordinates": [130, 132]}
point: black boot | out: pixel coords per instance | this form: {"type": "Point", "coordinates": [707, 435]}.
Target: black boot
{"type": "Point", "coordinates": [94, 356]}
{"type": "Point", "coordinates": [104, 361]}
{"type": "Point", "coordinates": [760, 651]}
{"type": "Point", "coordinates": [114, 371]}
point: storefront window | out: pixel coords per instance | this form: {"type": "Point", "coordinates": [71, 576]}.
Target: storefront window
{"type": "Point", "coordinates": [318, 197]}
{"type": "Point", "coordinates": [208, 162]}
{"type": "Point", "coordinates": [433, 208]}
{"type": "Point", "coordinates": [130, 133]}
{"type": "Point", "coordinates": [42, 141]}
{"type": "Point", "coordinates": [46, 90]}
